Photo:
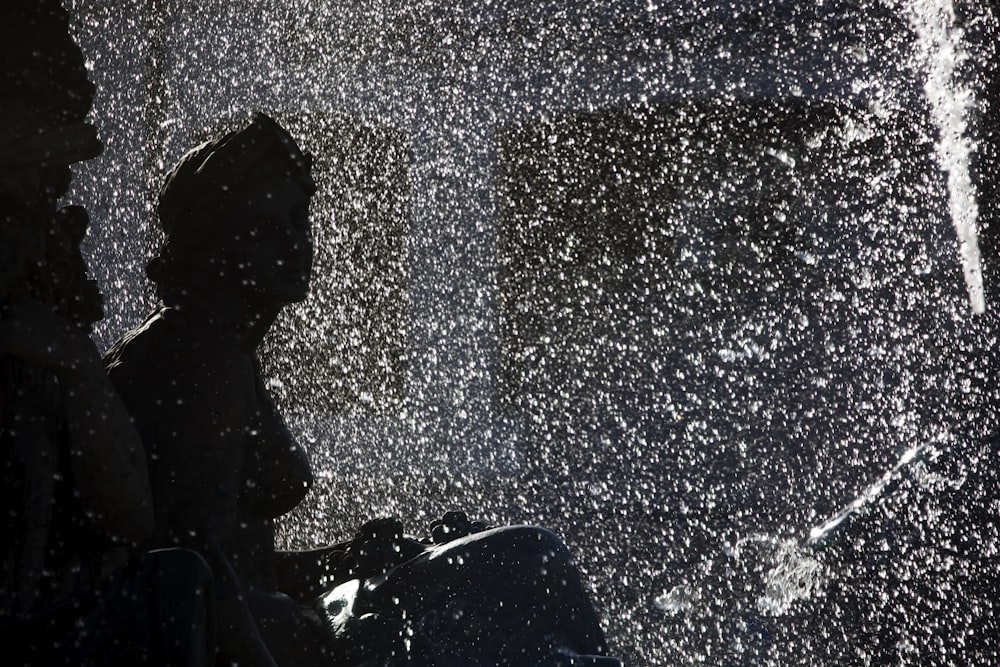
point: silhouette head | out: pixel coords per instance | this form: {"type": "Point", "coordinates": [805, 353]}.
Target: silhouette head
{"type": "Point", "coordinates": [236, 208]}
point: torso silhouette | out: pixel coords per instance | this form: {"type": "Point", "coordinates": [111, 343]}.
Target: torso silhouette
{"type": "Point", "coordinates": [222, 462]}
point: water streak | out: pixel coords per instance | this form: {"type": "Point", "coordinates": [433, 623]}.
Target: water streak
{"type": "Point", "coordinates": [940, 44]}
{"type": "Point", "coordinates": [876, 490]}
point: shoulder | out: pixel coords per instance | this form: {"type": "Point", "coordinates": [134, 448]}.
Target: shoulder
{"type": "Point", "coordinates": [168, 354]}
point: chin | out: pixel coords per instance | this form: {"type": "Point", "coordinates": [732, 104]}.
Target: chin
{"type": "Point", "coordinates": [296, 294]}
{"type": "Point", "coordinates": [281, 293]}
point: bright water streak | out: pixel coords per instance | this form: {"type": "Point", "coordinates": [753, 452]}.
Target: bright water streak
{"type": "Point", "coordinates": [940, 43]}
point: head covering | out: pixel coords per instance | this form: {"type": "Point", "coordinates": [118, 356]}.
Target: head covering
{"type": "Point", "coordinates": [217, 167]}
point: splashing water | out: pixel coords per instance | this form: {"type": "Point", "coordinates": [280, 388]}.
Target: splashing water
{"type": "Point", "coordinates": [934, 22]}
{"type": "Point", "coordinates": [674, 279]}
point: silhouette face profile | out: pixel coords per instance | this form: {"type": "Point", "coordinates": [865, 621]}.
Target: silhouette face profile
{"type": "Point", "coordinates": [270, 249]}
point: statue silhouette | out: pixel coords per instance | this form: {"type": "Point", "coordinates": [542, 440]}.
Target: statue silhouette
{"type": "Point", "coordinates": [75, 493]}
{"type": "Point", "coordinates": [223, 465]}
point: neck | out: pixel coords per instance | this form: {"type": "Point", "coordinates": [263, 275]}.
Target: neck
{"type": "Point", "coordinates": [255, 330]}
{"type": "Point", "coordinates": [231, 311]}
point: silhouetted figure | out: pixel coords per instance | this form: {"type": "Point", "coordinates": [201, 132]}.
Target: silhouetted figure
{"type": "Point", "coordinates": [237, 249]}
{"type": "Point", "coordinates": [74, 493]}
